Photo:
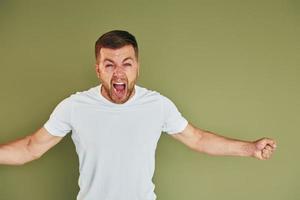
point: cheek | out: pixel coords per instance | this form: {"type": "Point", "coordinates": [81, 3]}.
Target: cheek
{"type": "Point", "coordinates": [130, 78]}
{"type": "Point", "coordinates": [132, 74]}
{"type": "Point", "coordinates": [105, 76]}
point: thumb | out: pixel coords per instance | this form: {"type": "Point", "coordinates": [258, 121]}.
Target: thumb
{"type": "Point", "coordinates": [263, 142]}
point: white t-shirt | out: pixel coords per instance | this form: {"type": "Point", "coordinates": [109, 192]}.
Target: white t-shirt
{"type": "Point", "coordinates": [115, 143]}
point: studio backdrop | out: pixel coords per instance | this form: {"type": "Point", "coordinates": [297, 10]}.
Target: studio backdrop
{"type": "Point", "coordinates": [232, 67]}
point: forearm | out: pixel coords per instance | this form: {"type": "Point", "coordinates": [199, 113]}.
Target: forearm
{"type": "Point", "coordinates": [16, 152]}
{"type": "Point", "coordinates": [214, 144]}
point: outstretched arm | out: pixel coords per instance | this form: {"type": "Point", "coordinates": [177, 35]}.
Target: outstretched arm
{"type": "Point", "coordinates": [213, 144]}
{"type": "Point", "coordinates": [29, 148]}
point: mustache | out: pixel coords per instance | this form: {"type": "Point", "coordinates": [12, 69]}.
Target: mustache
{"type": "Point", "coordinates": [118, 79]}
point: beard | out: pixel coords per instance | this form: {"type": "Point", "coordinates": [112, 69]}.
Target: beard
{"type": "Point", "coordinates": [119, 90]}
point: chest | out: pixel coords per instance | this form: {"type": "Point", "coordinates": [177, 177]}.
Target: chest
{"type": "Point", "coordinates": [133, 129]}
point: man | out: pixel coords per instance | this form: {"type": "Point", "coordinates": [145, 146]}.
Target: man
{"type": "Point", "coordinates": [116, 126]}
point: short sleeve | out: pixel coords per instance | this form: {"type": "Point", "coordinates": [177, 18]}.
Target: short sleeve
{"type": "Point", "coordinates": [173, 121]}
{"type": "Point", "coordinates": [59, 123]}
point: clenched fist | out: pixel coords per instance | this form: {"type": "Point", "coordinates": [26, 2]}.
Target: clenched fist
{"type": "Point", "coordinates": [264, 148]}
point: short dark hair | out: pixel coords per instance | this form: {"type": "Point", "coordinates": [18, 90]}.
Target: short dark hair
{"type": "Point", "coordinates": [116, 39]}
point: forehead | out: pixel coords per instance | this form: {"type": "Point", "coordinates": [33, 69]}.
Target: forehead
{"type": "Point", "coordinates": [117, 54]}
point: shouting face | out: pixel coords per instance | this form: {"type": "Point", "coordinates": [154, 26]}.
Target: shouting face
{"type": "Point", "coordinates": [117, 70]}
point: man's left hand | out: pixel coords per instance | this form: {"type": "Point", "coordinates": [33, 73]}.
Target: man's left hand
{"type": "Point", "coordinates": [264, 148]}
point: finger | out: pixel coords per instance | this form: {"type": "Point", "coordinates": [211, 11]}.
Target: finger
{"type": "Point", "coordinates": [272, 148]}
{"type": "Point", "coordinates": [260, 156]}
{"type": "Point", "coordinates": [274, 144]}
{"type": "Point", "coordinates": [268, 147]}
{"type": "Point", "coordinates": [270, 142]}
{"type": "Point", "coordinates": [267, 142]}
{"type": "Point", "coordinates": [266, 153]}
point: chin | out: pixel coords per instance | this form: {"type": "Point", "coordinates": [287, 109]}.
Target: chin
{"type": "Point", "coordinates": [120, 101]}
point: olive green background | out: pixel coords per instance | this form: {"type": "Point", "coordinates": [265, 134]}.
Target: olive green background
{"type": "Point", "coordinates": [231, 67]}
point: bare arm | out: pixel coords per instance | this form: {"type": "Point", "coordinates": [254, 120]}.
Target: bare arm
{"type": "Point", "coordinates": [213, 144]}
{"type": "Point", "coordinates": [29, 148]}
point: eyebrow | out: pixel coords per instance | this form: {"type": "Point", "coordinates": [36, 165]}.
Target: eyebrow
{"type": "Point", "coordinates": [107, 59]}
{"type": "Point", "coordinates": [128, 58]}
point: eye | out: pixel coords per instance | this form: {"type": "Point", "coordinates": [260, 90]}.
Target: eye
{"type": "Point", "coordinates": [108, 65]}
{"type": "Point", "coordinates": [127, 64]}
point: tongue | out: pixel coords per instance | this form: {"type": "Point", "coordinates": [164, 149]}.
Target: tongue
{"type": "Point", "coordinates": [119, 87]}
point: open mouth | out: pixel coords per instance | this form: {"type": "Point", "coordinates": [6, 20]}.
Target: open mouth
{"type": "Point", "coordinates": [119, 86]}
{"type": "Point", "coordinates": [119, 89]}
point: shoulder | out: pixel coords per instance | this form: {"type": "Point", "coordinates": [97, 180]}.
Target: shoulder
{"type": "Point", "coordinates": [152, 95]}
{"type": "Point", "coordinates": [85, 95]}
{"type": "Point", "coordinates": [148, 94]}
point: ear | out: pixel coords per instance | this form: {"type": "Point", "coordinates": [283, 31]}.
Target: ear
{"type": "Point", "coordinates": [138, 69]}
{"type": "Point", "coordinates": [97, 69]}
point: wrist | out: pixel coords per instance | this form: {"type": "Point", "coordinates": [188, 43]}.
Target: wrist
{"type": "Point", "coordinates": [249, 149]}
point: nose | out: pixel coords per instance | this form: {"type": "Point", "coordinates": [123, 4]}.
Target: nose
{"type": "Point", "coordinates": [119, 71]}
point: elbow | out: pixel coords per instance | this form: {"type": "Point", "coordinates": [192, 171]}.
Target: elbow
{"type": "Point", "coordinates": [32, 152]}
{"type": "Point", "coordinates": [197, 144]}
{"type": "Point", "coordinates": [33, 156]}
{"type": "Point", "coordinates": [19, 161]}
{"type": "Point", "coordinates": [36, 156]}
{"type": "Point", "coordinates": [198, 148]}
{"type": "Point", "coordinates": [26, 159]}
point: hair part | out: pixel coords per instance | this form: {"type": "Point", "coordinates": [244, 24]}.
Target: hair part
{"type": "Point", "coordinates": [114, 40]}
